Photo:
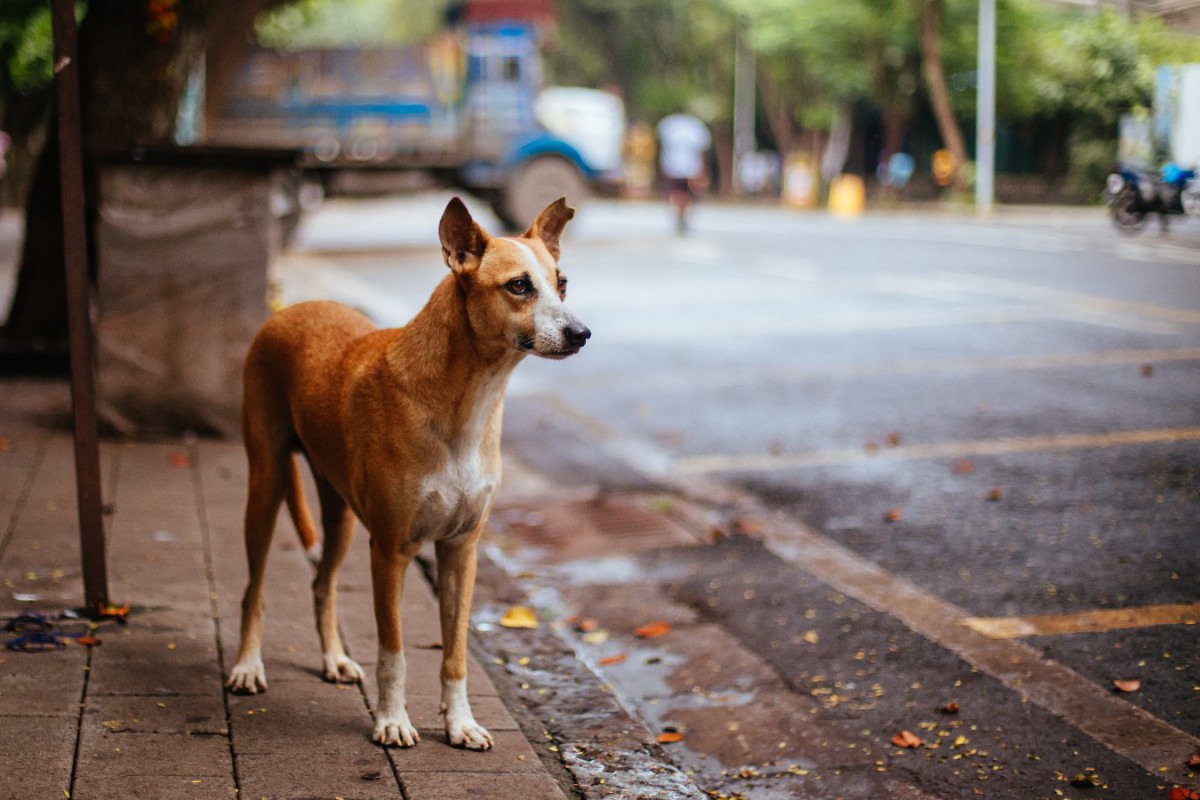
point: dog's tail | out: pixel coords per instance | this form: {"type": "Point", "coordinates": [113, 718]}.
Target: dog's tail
{"type": "Point", "coordinates": [298, 508]}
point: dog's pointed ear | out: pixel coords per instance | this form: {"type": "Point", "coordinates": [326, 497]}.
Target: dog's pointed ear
{"type": "Point", "coordinates": [463, 241]}
{"type": "Point", "coordinates": [550, 223]}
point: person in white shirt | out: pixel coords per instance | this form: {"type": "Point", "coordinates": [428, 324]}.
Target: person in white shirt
{"type": "Point", "coordinates": [682, 142]}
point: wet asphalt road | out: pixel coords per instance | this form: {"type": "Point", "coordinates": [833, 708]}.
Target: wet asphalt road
{"type": "Point", "coordinates": [1000, 419]}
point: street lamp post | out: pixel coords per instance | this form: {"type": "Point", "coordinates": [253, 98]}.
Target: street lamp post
{"type": "Point", "coordinates": [985, 113]}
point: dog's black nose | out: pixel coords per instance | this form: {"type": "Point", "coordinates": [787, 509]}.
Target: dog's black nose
{"type": "Point", "coordinates": [576, 334]}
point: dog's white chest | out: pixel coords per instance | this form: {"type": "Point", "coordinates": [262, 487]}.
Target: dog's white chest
{"type": "Point", "coordinates": [454, 499]}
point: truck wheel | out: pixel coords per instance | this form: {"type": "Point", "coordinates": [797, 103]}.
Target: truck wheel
{"type": "Point", "coordinates": [536, 185]}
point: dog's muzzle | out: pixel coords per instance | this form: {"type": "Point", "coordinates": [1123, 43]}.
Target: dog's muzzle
{"type": "Point", "coordinates": [575, 335]}
{"type": "Point", "coordinates": [558, 339]}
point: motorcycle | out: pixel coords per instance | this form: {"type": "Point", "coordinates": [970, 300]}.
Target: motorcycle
{"type": "Point", "coordinates": [1132, 195]}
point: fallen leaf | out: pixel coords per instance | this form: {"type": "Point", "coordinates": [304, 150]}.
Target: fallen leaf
{"type": "Point", "coordinates": [1147, 370]}
{"type": "Point", "coordinates": [1182, 793]}
{"type": "Point", "coordinates": [609, 661]}
{"type": "Point", "coordinates": [180, 460]}
{"type": "Point", "coordinates": [893, 439]}
{"type": "Point", "coordinates": [585, 625]}
{"type": "Point", "coordinates": [1128, 685]}
{"type": "Point", "coordinates": [906, 739]}
{"type": "Point", "coordinates": [1086, 780]}
{"type": "Point", "coordinates": [652, 629]}
{"type": "Point", "coordinates": [893, 515]}
{"type": "Point", "coordinates": [669, 737]}
{"type": "Point", "coordinates": [595, 637]}
{"type": "Point", "coordinates": [1194, 759]}
{"type": "Point", "coordinates": [964, 467]}
{"type": "Point", "coordinates": [871, 447]}
{"type": "Point", "coordinates": [949, 708]}
{"type": "Point", "coordinates": [519, 617]}
{"type": "Point", "coordinates": [111, 611]}
{"type": "Point", "coordinates": [994, 495]}
{"type": "Point", "coordinates": [5, 445]}
{"type": "Point", "coordinates": [87, 641]}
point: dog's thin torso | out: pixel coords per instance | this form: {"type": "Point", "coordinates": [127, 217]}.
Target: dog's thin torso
{"type": "Point", "coordinates": [398, 390]}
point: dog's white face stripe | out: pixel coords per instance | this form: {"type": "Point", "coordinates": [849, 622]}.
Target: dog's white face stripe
{"type": "Point", "coordinates": [550, 315]}
{"type": "Point", "coordinates": [537, 273]}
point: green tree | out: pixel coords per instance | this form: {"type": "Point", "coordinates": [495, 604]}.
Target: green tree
{"type": "Point", "coordinates": [338, 23]}
{"type": "Point", "coordinates": [134, 59]}
{"type": "Point", "coordinates": [1092, 69]}
{"type": "Point", "coordinates": [662, 56]}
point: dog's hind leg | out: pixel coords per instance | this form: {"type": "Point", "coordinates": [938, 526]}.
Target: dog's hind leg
{"type": "Point", "coordinates": [268, 454]}
{"type": "Point", "coordinates": [338, 523]}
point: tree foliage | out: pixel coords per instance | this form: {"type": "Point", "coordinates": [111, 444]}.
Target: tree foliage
{"type": "Point", "coordinates": [662, 55]}
{"type": "Point", "coordinates": [321, 23]}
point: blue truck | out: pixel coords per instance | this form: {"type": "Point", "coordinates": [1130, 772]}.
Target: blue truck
{"type": "Point", "coordinates": [466, 109]}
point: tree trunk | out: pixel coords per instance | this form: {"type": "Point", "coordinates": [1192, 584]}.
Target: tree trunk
{"type": "Point", "coordinates": [778, 114]}
{"type": "Point", "coordinates": [132, 78]}
{"type": "Point", "coordinates": [939, 90]}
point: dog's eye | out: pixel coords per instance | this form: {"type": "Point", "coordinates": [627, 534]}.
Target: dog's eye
{"type": "Point", "coordinates": [519, 286]}
{"type": "Point", "coordinates": [562, 286]}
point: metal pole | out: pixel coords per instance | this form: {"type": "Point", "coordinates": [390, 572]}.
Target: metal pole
{"type": "Point", "coordinates": [83, 389]}
{"type": "Point", "coordinates": [744, 68]}
{"type": "Point", "coordinates": [985, 115]}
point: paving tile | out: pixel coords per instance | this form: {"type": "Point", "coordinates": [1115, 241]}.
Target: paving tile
{"type": "Point", "coordinates": [154, 787]}
{"type": "Point", "coordinates": [36, 754]}
{"type": "Point", "coordinates": [295, 716]}
{"type": "Point", "coordinates": [111, 764]}
{"type": "Point", "coordinates": [433, 754]}
{"type": "Point", "coordinates": [43, 684]}
{"type": "Point", "coordinates": [313, 775]}
{"type": "Point", "coordinates": [480, 786]}
{"type": "Point", "coordinates": [156, 714]}
{"type": "Point", "coordinates": [158, 671]}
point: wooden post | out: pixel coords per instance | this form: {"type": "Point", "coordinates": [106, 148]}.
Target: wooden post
{"type": "Point", "coordinates": [83, 380]}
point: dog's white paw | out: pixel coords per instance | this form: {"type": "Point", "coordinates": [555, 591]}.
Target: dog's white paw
{"type": "Point", "coordinates": [247, 677]}
{"type": "Point", "coordinates": [313, 554]}
{"type": "Point", "coordinates": [395, 731]}
{"type": "Point", "coordinates": [469, 734]}
{"type": "Point", "coordinates": [342, 669]}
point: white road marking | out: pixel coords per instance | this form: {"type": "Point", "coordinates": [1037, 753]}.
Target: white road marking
{"type": "Point", "coordinates": [765, 462]}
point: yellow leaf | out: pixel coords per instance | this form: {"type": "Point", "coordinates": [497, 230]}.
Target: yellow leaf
{"type": "Point", "coordinates": [595, 637]}
{"type": "Point", "coordinates": [669, 737]}
{"type": "Point", "coordinates": [519, 617]}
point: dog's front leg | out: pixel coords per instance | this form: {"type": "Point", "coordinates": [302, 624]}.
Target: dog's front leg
{"type": "Point", "coordinates": [456, 583]}
{"type": "Point", "coordinates": [388, 568]}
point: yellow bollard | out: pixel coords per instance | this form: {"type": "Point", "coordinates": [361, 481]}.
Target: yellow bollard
{"type": "Point", "coordinates": [847, 196]}
{"type": "Point", "coordinates": [799, 182]}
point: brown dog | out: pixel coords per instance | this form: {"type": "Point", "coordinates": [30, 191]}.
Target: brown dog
{"type": "Point", "coordinates": [402, 430]}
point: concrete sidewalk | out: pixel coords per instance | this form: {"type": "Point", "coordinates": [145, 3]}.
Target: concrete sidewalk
{"type": "Point", "coordinates": [143, 714]}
